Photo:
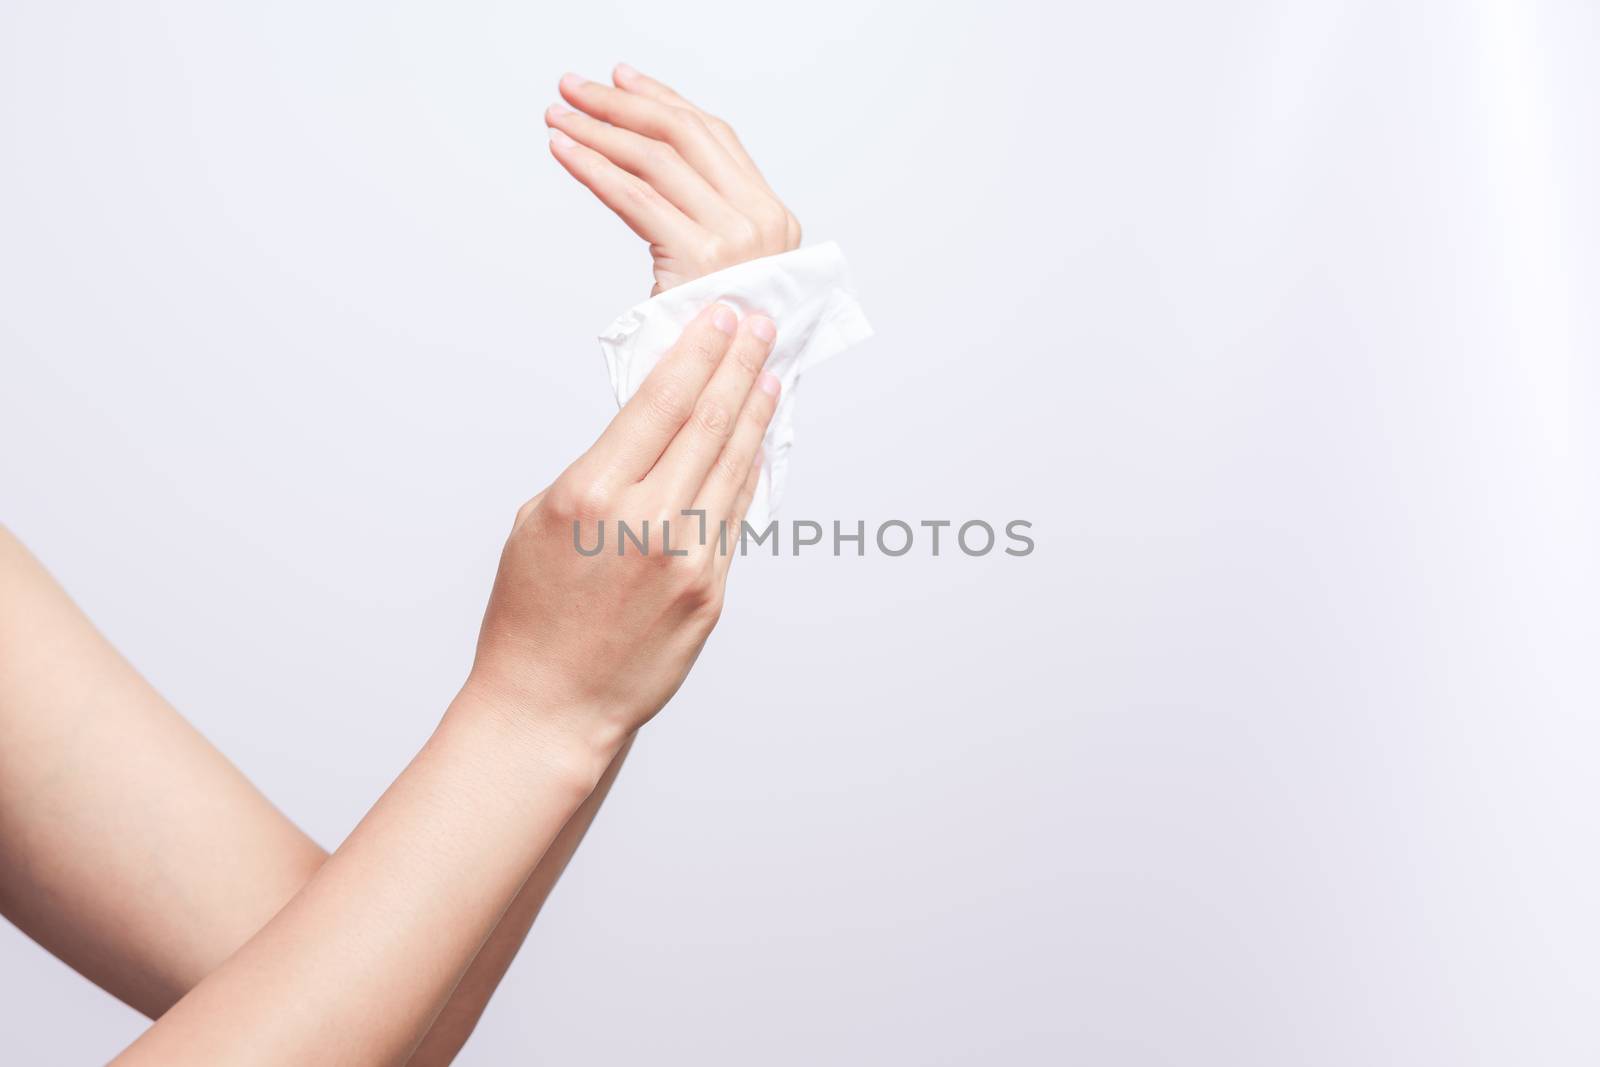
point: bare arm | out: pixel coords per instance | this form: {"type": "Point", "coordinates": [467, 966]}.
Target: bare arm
{"type": "Point", "coordinates": [129, 846]}
{"type": "Point", "coordinates": [145, 898]}
{"type": "Point", "coordinates": [133, 850]}
{"type": "Point", "coordinates": [575, 654]}
{"type": "Point", "coordinates": [462, 1011]}
{"type": "Point", "coordinates": [359, 963]}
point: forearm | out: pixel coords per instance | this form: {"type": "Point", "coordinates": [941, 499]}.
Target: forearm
{"type": "Point", "coordinates": [579, 652]}
{"type": "Point", "coordinates": [129, 846]}
{"type": "Point", "coordinates": [460, 1015]}
{"type": "Point", "coordinates": [356, 967]}
{"type": "Point", "coordinates": [106, 860]}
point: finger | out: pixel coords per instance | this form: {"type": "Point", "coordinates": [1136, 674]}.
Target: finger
{"type": "Point", "coordinates": [632, 81]}
{"type": "Point", "coordinates": [647, 212]}
{"type": "Point", "coordinates": [648, 422]}
{"type": "Point", "coordinates": [747, 491]}
{"type": "Point", "coordinates": [656, 162]}
{"type": "Point", "coordinates": [682, 129]}
{"type": "Point", "coordinates": [769, 211]}
{"type": "Point", "coordinates": [724, 485]}
{"type": "Point", "coordinates": [683, 466]}
{"type": "Point", "coordinates": [728, 536]}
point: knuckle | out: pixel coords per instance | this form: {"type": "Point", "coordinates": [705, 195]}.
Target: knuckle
{"type": "Point", "coordinates": [747, 235]}
{"type": "Point", "coordinates": [668, 569]}
{"type": "Point", "coordinates": [685, 121]}
{"type": "Point", "coordinates": [640, 193]}
{"type": "Point", "coordinates": [758, 416]}
{"type": "Point", "coordinates": [586, 500]}
{"type": "Point", "coordinates": [593, 502]}
{"type": "Point", "coordinates": [750, 357]}
{"type": "Point", "coordinates": [714, 250]}
{"type": "Point", "coordinates": [658, 554]}
{"type": "Point", "coordinates": [704, 350]}
{"type": "Point", "coordinates": [666, 404]}
{"type": "Point", "coordinates": [728, 467]}
{"type": "Point", "coordinates": [562, 501]}
{"type": "Point", "coordinates": [713, 418]}
{"type": "Point", "coordinates": [658, 157]}
{"type": "Point", "coordinates": [759, 413]}
{"type": "Point", "coordinates": [675, 124]}
{"type": "Point", "coordinates": [773, 218]}
{"type": "Point", "coordinates": [697, 588]}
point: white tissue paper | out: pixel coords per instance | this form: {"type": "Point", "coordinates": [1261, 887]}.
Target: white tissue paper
{"type": "Point", "coordinates": [806, 292]}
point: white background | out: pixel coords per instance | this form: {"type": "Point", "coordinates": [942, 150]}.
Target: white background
{"type": "Point", "coordinates": [1277, 320]}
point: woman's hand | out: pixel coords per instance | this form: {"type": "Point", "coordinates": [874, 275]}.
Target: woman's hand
{"type": "Point", "coordinates": [599, 642]}
{"type": "Point", "coordinates": [677, 176]}
{"type": "Point", "coordinates": [576, 652]}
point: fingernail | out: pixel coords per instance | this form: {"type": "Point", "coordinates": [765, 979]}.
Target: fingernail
{"type": "Point", "coordinates": [626, 73]}
{"type": "Point", "coordinates": [763, 328]}
{"type": "Point", "coordinates": [559, 108]}
{"type": "Point", "coordinates": [559, 139]}
{"type": "Point", "coordinates": [725, 320]}
{"type": "Point", "coordinates": [769, 383]}
{"type": "Point", "coordinates": [572, 81]}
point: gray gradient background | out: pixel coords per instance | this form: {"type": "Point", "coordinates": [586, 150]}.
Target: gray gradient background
{"type": "Point", "coordinates": [1277, 319]}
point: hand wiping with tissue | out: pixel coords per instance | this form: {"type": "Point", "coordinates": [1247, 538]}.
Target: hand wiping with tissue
{"type": "Point", "coordinates": [681, 180]}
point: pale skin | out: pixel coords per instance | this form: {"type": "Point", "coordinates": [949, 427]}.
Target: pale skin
{"type": "Point", "coordinates": [679, 178]}
{"type": "Point", "coordinates": [133, 850]}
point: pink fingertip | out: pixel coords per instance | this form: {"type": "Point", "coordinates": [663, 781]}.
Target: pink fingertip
{"type": "Point", "coordinates": [725, 320]}
{"type": "Point", "coordinates": [559, 139]}
{"type": "Point", "coordinates": [573, 81]}
{"type": "Point", "coordinates": [625, 73]}
{"type": "Point", "coordinates": [559, 108]}
{"type": "Point", "coordinates": [763, 328]}
{"type": "Point", "coordinates": [769, 383]}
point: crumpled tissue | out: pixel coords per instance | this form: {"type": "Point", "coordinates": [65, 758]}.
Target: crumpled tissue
{"type": "Point", "coordinates": [807, 292]}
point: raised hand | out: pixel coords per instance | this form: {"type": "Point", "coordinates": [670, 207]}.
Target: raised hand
{"type": "Point", "coordinates": [600, 642]}
{"type": "Point", "coordinates": [676, 175]}
{"type": "Point", "coordinates": [576, 652]}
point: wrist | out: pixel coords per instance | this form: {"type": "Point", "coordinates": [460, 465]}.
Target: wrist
{"type": "Point", "coordinates": [572, 746]}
